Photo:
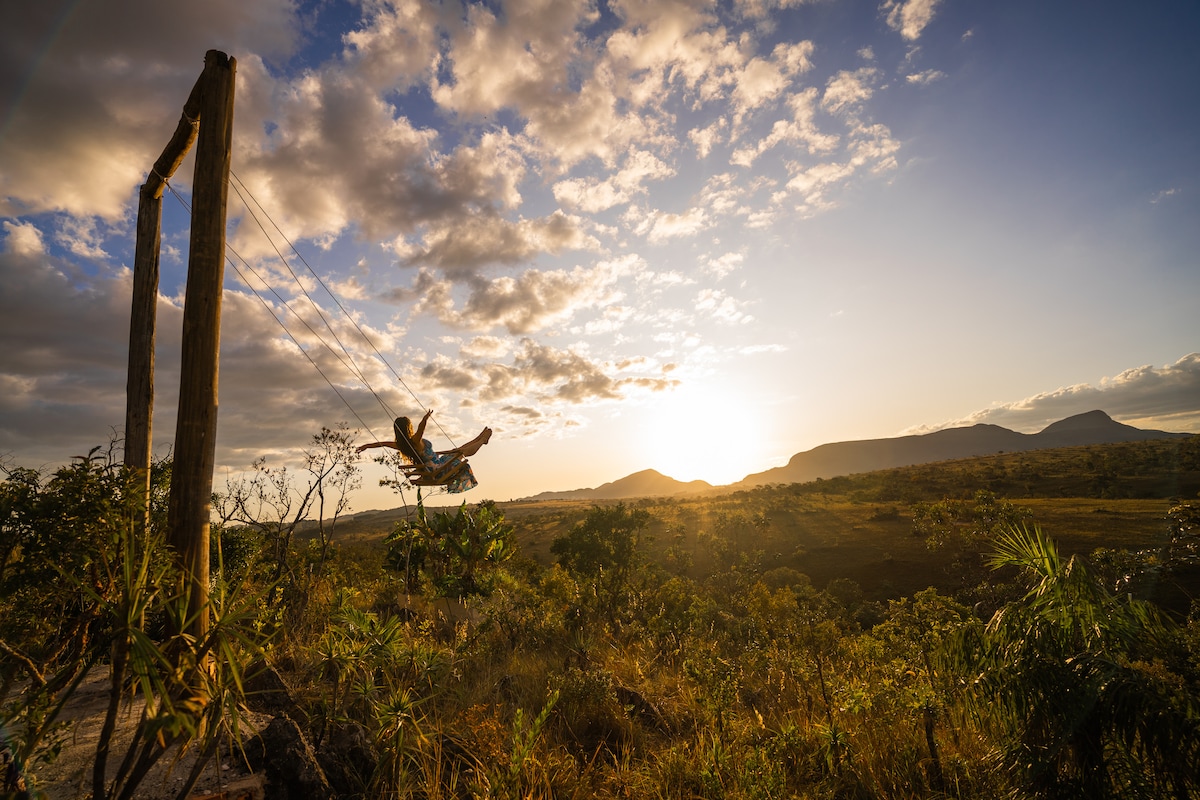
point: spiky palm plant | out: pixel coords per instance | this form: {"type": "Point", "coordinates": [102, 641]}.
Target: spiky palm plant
{"type": "Point", "coordinates": [1074, 681]}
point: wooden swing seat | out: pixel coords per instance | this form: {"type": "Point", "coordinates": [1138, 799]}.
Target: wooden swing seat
{"type": "Point", "coordinates": [420, 472]}
{"type": "Point", "coordinates": [423, 474]}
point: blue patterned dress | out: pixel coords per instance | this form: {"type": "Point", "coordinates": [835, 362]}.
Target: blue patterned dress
{"type": "Point", "coordinates": [462, 481]}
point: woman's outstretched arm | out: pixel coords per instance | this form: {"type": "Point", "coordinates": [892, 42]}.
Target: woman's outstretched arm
{"type": "Point", "coordinates": [419, 434]}
{"type": "Point", "coordinates": [369, 445]}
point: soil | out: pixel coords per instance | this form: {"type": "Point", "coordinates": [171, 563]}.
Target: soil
{"type": "Point", "coordinates": [69, 776]}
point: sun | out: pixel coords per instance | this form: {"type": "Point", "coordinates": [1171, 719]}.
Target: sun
{"type": "Point", "coordinates": [697, 432]}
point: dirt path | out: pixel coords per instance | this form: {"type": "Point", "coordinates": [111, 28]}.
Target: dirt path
{"type": "Point", "coordinates": [69, 776]}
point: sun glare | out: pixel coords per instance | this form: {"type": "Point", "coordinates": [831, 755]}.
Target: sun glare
{"type": "Point", "coordinates": [700, 433]}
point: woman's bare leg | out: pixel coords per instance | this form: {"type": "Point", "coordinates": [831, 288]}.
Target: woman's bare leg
{"type": "Point", "coordinates": [472, 447]}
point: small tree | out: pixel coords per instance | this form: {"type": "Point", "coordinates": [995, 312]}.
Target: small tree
{"type": "Point", "coordinates": [605, 549]}
{"type": "Point", "coordinates": [454, 551]}
{"type": "Point", "coordinates": [271, 502]}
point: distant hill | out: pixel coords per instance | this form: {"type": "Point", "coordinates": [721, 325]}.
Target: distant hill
{"type": "Point", "coordinates": [849, 458]}
{"type": "Point", "coordinates": [647, 483]}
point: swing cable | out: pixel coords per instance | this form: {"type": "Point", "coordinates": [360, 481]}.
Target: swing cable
{"type": "Point", "coordinates": [352, 366]}
{"type": "Point", "coordinates": [332, 296]}
{"type": "Point", "coordinates": [281, 323]}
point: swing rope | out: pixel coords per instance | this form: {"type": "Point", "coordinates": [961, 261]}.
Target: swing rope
{"type": "Point", "coordinates": [344, 356]}
{"type": "Point", "coordinates": [281, 323]}
{"type": "Point", "coordinates": [352, 365]}
{"type": "Point", "coordinates": [346, 313]}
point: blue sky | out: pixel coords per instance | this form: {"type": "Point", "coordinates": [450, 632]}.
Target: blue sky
{"type": "Point", "coordinates": [691, 236]}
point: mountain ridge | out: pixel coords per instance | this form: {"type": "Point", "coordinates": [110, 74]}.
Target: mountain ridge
{"type": "Point", "coordinates": [646, 483]}
{"type": "Point", "coordinates": [867, 455]}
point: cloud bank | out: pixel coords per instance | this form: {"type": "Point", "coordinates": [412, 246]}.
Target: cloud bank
{"type": "Point", "coordinates": [1163, 398]}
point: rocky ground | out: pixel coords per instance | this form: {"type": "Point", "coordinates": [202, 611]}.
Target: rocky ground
{"type": "Point", "coordinates": [69, 776]}
{"type": "Point", "coordinates": [275, 761]}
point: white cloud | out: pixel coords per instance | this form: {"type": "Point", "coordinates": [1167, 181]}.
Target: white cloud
{"type": "Point", "coordinates": [460, 248]}
{"type": "Point", "coordinates": [708, 137]}
{"type": "Point", "coordinates": [23, 239]}
{"type": "Point", "coordinates": [801, 130]}
{"type": "Point", "coordinates": [398, 44]}
{"type": "Point", "coordinates": [848, 89]}
{"type": "Point", "coordinates": [521, 304]}
{"type": "Point", "coordinates": [594, 194]}
{"type": "Point", "coordinates": [536, 42]}
{"type": "Point", "coordinates": [763, 79]}
{"type": "Point", "coordinates": [1163, 195]}
{"type": "Point", "coordinates": [339, 156]}
{"type": "Point", "coordinates": [660, 226]}
{"type": "Point", "coordinates": [721, 266]}
{"type": "Point", "coordinates": [721, 307]}
{"type": "Point", "coordinates": [909, 17]}
{"type": "Point", "coordinates": [812, 183]}
{"type": "Point", "coordinates": [925, 77]}
{"type": "Point", "coordinates": [548, 374]}
{"type": "Point", "coordinates": [1155, 398]}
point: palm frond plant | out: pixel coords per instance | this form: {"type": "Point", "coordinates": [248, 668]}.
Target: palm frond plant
{"type": "Point", "coordinates": [1073, 682]}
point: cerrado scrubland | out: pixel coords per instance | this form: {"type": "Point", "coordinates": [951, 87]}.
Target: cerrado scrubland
{"type": "Point", "coordinates": [1014, 626]}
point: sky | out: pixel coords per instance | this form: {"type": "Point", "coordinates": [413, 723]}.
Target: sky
{"type": "Point", "coordinates": [692, 236]}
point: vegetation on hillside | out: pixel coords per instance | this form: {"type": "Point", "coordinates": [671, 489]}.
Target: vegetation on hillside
{"type": "Point", "coordinates": [918, 633]}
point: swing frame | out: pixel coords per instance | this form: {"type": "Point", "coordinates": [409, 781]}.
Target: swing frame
{"type": "Point", "coordinates": [420, 472]}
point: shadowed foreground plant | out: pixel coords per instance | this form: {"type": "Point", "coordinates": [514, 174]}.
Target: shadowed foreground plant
{"type": "Point", "coordinates": [118, 601]}
{"type": "Point", "coordinates": [1077, 686]}
{"type": "Point", "coordinates": [192, 689]}
{"type": "Point", "coordinates": [516, 779]}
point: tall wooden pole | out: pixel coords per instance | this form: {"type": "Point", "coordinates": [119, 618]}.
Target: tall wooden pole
{"type": "Point", "coordinates": [139, 386]}
{"type": "Point", "coordinates": [196, 426]}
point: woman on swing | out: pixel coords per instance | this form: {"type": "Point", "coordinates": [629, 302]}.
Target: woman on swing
{"type": "Point", "coordinates": [438, 467]}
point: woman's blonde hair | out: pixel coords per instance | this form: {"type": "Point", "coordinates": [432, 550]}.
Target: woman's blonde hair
{"type": "Point", "coordinates": [403, 429]}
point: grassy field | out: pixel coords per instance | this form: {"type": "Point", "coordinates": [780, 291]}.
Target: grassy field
{"type": "Point", "coordinates": [860, 528]}
{"type": "Point", "coordinates": [773, 643]}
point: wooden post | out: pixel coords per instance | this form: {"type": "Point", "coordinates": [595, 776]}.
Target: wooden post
{"type": "Point", "coordinates": [196, 426]}
{"type": "Point", "coordinates": [139, 385]}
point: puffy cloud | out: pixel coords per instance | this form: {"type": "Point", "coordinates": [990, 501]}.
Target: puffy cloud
{"type": "Point", "coordinates": [486, 347]}
{"type": "Point", "coordinates": [23, 239]}
{"type": "Point", "coordinates": [721, 266]}
{"type": "Point", "coordinates": [848, 89]}
{"type": "Point", "coordinates": [594, 194]}
{"type": "Point", "coordinates": [462, 247]}
{"type": "Point", "coordinates": [704, 139]}
{"type": "Point", "coordinates": [534, 300]}
{"type": "Point", "coordinates": [1156, 398]}
{"type": "Point", "coordinates": [721, 307]}
{"type": "Point", "coordinates": [92, 90]}
{"type": "Point", "coordinates": [863, 147]}
{"type": "Point", "coordinates": [536, 42]}
{"type": "Point", "coordinates": [812, 183]}
{"type": "Point", "coordinates": [802, 130]}
{"type": "Point", "coordinates": [925, 77]}
{"type": "Point", "coordinates": [524, 303]}
{"type": "Point", "coordinates": [660, 226]}
{"type": "Point", "coordinates": [398, 44]}
{"type": "Point", "coordinates": [549, 374]}
{"type": "Point", "coordinates": [909, 17]}
{"type": "Point", "coordinates": [762, 79]}
{"type": "Point", "coordinates": [338, 156]}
